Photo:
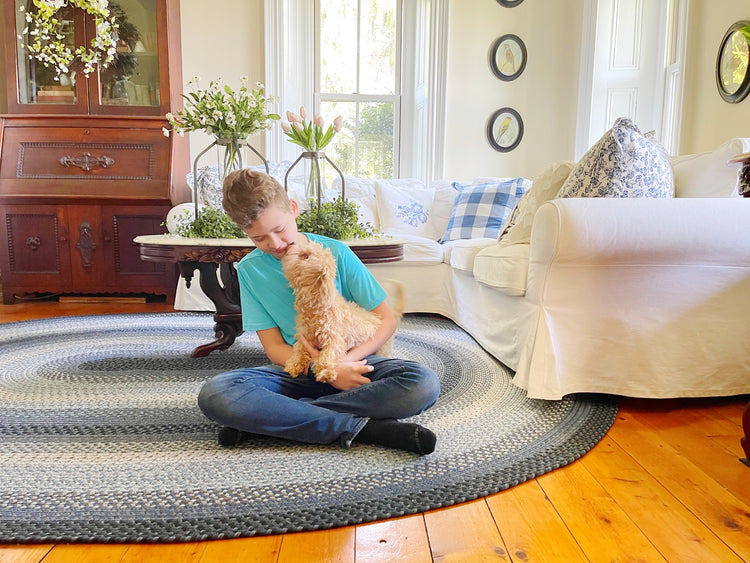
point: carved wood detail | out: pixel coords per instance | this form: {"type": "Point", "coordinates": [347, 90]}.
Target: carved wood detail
{"type": "Point", "coordinates": [32, 242]}
{"type": "Point", "coordinates": [85, 147]}
{"type": "Point", "coordinates": [87, 161]}
{"type": "Point", "coordinates": [86, 244]}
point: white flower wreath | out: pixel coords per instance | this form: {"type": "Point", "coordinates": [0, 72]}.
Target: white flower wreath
{"type": "Point", "coordinates": [44, 36]}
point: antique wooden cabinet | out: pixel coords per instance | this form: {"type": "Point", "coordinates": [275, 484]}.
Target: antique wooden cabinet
{"type": "Point", "coordinates": [84, 164]}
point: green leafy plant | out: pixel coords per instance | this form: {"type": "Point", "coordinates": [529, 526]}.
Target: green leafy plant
{"type": "Point", "coordinates": [334, 219]}
{"type": "Point", "coordinates": [210, 223]}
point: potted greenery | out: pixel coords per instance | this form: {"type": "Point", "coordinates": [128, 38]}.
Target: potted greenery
{"type": "Point", "coordinates": [335, 219]}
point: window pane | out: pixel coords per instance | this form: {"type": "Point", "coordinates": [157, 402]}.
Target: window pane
{"type": "Point", "coordinates": [378, 47]}
{"type": "Point", "coordinates": [342, 149]}
{"type": "Point", "coordinates": [133, 77]}
{"type": "Point", "coordinates": [376, 140]}
{"type": "Point", "coordinates": [365, 150]}
{"type": "Point", "coordinates": [338, 46]}
{"type": "Point", "coordinates": [38, 83]}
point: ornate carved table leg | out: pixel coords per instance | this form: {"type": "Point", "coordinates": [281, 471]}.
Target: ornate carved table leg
{"type": "Point", "coordinates": [745, 441]}
{"type": "Point", "coordinates": [224, 295]}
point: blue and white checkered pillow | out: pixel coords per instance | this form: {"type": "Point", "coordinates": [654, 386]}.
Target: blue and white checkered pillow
{"type": "Point", "coordinates": [480, 210]}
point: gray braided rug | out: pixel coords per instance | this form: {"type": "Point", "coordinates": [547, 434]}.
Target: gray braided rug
{"type": "Point", "coordinates": [101, 438]}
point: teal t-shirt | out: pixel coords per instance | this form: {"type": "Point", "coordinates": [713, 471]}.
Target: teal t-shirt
{"type": "Point", "coordinates": [268, 301]}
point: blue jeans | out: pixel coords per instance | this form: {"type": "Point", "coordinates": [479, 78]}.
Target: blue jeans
{"type": "Point", "coordinates": [267, 400]}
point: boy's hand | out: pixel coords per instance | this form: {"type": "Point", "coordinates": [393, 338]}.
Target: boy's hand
{"type": "Point", "coordinates": [350, 375]}
{"type": "Point", "coordinates": [313, 350]}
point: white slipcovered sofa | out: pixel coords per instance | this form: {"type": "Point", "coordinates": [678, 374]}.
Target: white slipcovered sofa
{"type": "Point", "coordinates": [643, 297]}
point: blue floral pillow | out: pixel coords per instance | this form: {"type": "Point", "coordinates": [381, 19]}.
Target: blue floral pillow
{"type": "Point", "coordinates": [480, 210]}
{"type": "Point", "coordinates": [623, 163]}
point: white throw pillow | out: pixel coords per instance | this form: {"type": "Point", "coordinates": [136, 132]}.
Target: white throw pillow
{"type": "Point", "coordinates": [404, 207]}
{"type": "Point", "coordinates": [707, 174]}
{"type": "Point", "coordinates": [517, 228]}
{"type": "Point", "coordinates": [623, 163]}
{"type": "Point", "coordinates": [441, 211]}
{"type": "Point", "coordinates": [480, 211]}
{"type": "Point", "coordinates": [362, 192]}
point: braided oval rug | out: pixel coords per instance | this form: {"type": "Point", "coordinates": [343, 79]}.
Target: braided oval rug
{"type": "Point", "coordinates": [101, 438]}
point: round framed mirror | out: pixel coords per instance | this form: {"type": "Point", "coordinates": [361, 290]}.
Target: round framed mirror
{"type": "Point", "coordinates": [509, 3]}
{"type": "Point", "coordinates": [732, 74]}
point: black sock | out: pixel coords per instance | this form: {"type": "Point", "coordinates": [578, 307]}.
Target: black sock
{"type": "Point", "coordinates": [398, 435]}
{"type": "Point", "coordinates": [230, 436]}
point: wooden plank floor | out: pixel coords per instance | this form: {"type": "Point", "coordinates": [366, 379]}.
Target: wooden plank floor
{"type": "Point", "coordinates": [664, 484]}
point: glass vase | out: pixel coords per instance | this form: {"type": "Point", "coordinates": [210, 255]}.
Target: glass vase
{"type": "Point", "coordinates": [233, 157]}
{"type": "Point", "coordinates": [314, 189]}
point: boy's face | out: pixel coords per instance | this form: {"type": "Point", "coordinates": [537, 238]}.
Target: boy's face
{"type": "Point", "coordinates": [275, 229]}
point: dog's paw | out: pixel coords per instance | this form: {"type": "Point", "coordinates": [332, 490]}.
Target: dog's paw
{"type": "Point", "coordinates": [294, 368]}
{"type": "Point", "coordinates": [325, 375]}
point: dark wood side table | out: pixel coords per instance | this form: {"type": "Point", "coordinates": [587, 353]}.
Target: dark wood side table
{"type": "Point", "coordinates": [215, 259]}
{"type": "Point", "coordinates": [743, 161]}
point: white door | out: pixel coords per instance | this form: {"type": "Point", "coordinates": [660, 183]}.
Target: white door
{"type": "Point", "coordinates": [628, 65]}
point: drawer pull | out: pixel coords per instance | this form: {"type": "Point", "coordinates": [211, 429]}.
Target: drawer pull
{"type": "Point", "coordinates": [87, 161]}
{"type": "Point", "coordinates": [86, 244]}
{"type": "Point", "coordinates": [33, 243]}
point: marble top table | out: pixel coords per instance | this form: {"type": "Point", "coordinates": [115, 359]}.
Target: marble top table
{"type": "Point", "coordinates": [215, 258]}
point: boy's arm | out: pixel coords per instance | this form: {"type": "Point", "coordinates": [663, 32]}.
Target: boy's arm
{"type": "Point", "coordinates": [381, 336]}
{"type": "Point", "coordinates": [274, 345]}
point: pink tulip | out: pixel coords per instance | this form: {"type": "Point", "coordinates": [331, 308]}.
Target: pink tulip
{"type": "Point", "coordinates": [318, 121]}
{"type": "Point", "coordinates": [293, 117]}
{"type": "Point", "coordinates": [286, 127]}
{"type": "Point", "coordinates": [302, 112]}
{"type": "Point", "coordinates": [337, 123]}
{"type": "Point", "coordinates": [298, 125]}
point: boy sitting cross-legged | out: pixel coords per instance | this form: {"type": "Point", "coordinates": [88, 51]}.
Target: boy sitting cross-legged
{"type": "Point", "coordinates": [369, 394]}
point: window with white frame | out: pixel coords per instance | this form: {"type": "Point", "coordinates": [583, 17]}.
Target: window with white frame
{"type": "Point", "coordinates": [358, 61]}
{"type": "Point", "coordinates": [378, 63]}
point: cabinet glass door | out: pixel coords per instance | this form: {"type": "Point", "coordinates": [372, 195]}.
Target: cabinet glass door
{"type": "Point", "coordinates": [39, 88]}
{"type": "Point", "coordinates": [132, 79]}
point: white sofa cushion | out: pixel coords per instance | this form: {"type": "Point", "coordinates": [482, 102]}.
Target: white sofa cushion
{"type": "Point", "coordinates": [420, 249]}
{"type": "Point", "coordinates": [503, 267]}
{"type": "Point", "coordinates": [623, 163]}
{"type": "Point", "coordinates": [480, 210]}
{"type": "Point", "coordinates": [460, 254]}
{"type": "Point", "coordinates": [517, 228]}
{"type": "Point", "coordinates": [707, 174]}
{"type": "Point", "coordinates": [441, 210]}
{"type": "Point", "coordinates": [362, 192]}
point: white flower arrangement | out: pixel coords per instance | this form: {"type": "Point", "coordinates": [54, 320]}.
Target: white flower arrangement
{"type": "Point", "coordinates": [219, 110]}
{"type": "Point", "coordinates": [43, 36]}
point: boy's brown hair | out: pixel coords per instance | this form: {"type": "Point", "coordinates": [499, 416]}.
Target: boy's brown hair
{"type": "Point", "coordinates": [247, 194]}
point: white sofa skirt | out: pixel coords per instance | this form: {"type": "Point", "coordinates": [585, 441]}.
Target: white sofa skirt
{"type": "Point", "coordinates": [639, 297]}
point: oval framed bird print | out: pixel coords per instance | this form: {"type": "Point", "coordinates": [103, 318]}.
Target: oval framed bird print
{"type": "Point", "coordinates": [505, 130]}
{"type": "Point", "coordinates": [508, 57]}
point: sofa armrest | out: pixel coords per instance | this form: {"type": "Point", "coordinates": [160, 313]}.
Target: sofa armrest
{"type": "Point", "coordinates": [642, 230]}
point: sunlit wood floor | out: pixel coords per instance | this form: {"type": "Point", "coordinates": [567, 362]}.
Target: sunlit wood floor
{"type": "Point", "coordinates": [665, 484]}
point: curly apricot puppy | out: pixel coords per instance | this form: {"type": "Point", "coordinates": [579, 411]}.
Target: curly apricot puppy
{"type": "Point", "coordinates": [323, 315]}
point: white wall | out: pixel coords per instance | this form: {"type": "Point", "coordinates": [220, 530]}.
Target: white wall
{"type": "Point", "coordinates": [225, 38]}
{"type": "Point", "coordinates": [222, 38]}
{"type": "Point", "coordinates": [708, 120]}
{"type": "Point", "coordinates": [545, 95]}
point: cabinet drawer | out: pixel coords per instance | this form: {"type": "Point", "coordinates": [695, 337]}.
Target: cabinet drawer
{"type": "Point", "coordinates": [91, 161]}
